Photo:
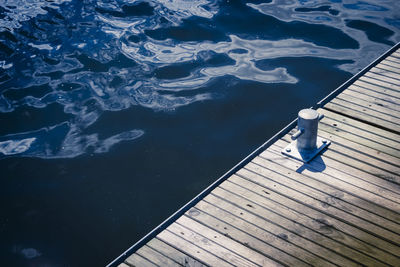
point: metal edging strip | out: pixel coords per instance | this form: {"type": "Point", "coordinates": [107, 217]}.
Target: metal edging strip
{"type": "Point", "coordinates": [238, 166]}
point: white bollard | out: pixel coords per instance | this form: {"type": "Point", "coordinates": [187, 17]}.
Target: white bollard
{"type": "Point", "coordinates": [307, 144]}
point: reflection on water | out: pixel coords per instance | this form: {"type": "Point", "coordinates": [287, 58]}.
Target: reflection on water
{"type": "Point", "coordinates": [110, 55]}
{"type": "Point", "coordinates": [77, 78]}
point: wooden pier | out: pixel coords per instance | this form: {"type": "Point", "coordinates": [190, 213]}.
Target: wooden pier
{"type": "Point", "coordinates": [342, 208]}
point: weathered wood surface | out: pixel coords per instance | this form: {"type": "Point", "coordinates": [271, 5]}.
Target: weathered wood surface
{"type": "Point", "coordinates": [340, 209]}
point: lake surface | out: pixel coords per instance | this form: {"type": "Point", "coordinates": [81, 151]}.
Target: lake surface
{"type": "Point", "coordinates": [116, 113]}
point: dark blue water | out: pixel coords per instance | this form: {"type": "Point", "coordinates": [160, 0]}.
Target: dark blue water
{"type": "Point", "coordinates": [115, 113]}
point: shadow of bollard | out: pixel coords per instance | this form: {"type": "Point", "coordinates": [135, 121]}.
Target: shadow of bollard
{"type": "Point", "coordinates": [316, 165]}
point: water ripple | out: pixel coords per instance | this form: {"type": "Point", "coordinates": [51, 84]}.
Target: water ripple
{"type": "Point", "coordinates": [93, 57]}
{"type": "Point", "coordinates": [15, 12]}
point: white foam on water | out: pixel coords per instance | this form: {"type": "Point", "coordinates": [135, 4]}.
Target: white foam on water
{"type": "Point", "coordinates": [41, 46]}
{"type": "Point", "coordinates": [12, 147]}
{"type": "Point", "coordinates": [4, 65]}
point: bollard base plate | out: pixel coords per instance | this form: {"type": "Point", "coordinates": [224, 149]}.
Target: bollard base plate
{"type": "Point", "coordinates": [305, 155]}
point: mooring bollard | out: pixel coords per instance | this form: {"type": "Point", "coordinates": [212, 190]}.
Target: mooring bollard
{"type": "Point", "coordinates": [306, 144]}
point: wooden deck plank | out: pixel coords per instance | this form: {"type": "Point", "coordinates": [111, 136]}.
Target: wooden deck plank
{"type": "Point", "coordinates": [396, 54]}
{"type": "Point", "coordinates": [344, 123]}
{"type": "Point", "coordinates": [392, 64]}
{"type": "Point", "coordinates": [173, 254]}
{"type": "Point", "coordinates": [345, 222]}
{"type": "Point", "coordinates": [316, 205]}
{"type": "Point", "coordinates": [353, 113]}
{"type": "Point", "coordinates": [375, 153]}
{"type": "Point", "coordinates": [340, 209]}
{"type": "Point", "coordinates": [377, 88]}
{"type": "Point", "coordinates": [361, 103]}
{"type": "Point", "coordinates": [369, 156]}
{"type": "Point", "coordinates": [387, 87]}
{"type": "Point", "coordinates": [390, 70]}
{"type": "Point", "coordinates": [382, 76]}
{"type": "Point", "coordinates": [367, 112]}
{"type": "Point", "coordinates": [336, 229]}
{"type": "Point", "coordinates": [356, 184]}
{"type": "Point", "coordinates": [192, 249]}
{"type": "Point", "coordinates": [354, 137]}
{"type": "Point", "coordinates": [386, 73]}
{"type": "Point", "coordinates": [261, 235]}
{"type": "Point", "coordinates": [212, 246]}
{"type": "Point", "coordinates": [393, 83]}
{"type": "Point", "coordinates": [360, 97]}
{"type": "Point", "coordinates": [326, 198]}
{"type": "Point", "coordinates": [246, 233]}
{"type": "Point", "coordinates": [240, 206]}
{"type": "Point", "coordinates": [373, 93]}
{"type": "Point", "coordinates": [393, 59]}
{"type": "Point", "coordinates": [388, 67]}
{"type": "Point", "coordinates": [136, 260]}
{"type": "Point", "coordinates": [358, 164]}
{"type": "Point", "coordinates": [337, 181]}
{"type": "Point", "coordinates": [246, 256]}
{"type": "Point", "coordinates": [336, 194]}
{"type": "Point", "coordinates": [351, 133]}
{"type": "Point", "coordinates": [388, 62]}
{"type": "Point", "coordinates": [322, 225]}
{"type": "Point", "coordinates": [371, 96]}
{"type": "Point", "coordinates": [156, 257]}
